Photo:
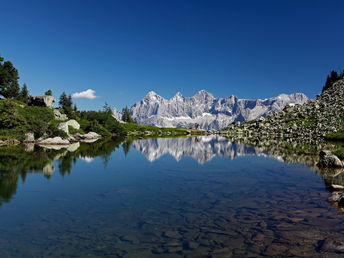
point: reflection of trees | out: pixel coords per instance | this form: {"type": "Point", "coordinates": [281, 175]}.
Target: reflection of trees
{"type": "Point", "coordinates": [126, 146]}
{"type": "Point", "coordinates": [101, 148]}
{"type": "Point", "coordinates": [16, 161]}
{"type": "Point", "coordinates": [8, 186]}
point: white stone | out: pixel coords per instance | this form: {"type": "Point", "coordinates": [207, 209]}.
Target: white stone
{"type": "Point", "coordinates": [54, 141]}
{"type": "Point", "coordinates": [64, 126]}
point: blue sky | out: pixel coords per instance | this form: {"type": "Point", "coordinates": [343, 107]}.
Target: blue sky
{"type": "Point", "coordinates": [123, 49]}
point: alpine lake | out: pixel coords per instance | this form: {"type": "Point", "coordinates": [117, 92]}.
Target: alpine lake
{"type": "Point", "coordinates": [165, 197]}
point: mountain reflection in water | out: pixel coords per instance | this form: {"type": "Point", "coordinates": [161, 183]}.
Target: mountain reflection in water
{"type": "Point", "coordinates": [202, 149]}
{"type": "Point", "coordinates": [105, 199]}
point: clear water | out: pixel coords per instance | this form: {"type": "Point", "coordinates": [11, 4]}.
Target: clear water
{"type": "Point", "coordinates": [175, 197]}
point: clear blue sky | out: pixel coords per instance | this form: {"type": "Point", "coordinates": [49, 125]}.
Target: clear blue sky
{"type": "Point", "coordinates": [123, 49]}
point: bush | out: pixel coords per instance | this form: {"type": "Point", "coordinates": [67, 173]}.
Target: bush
{"type": "Point", "coordinates": [339, 153]}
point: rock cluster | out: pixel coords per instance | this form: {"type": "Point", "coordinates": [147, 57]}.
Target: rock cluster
{"type": "Point", "coordinates": [314, 119]}
{"type": "Point", "coordinates": [42, 101]}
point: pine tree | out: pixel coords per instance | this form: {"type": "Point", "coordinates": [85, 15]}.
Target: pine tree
{"type": "Point", "coordinates": [9, 86]}
{"type": "Point", "coordinates": [24, 94]}
{"type": "Point", "coordinates": [126, 115]}
{"type": "Point", "coordinates": [331, 79]}
{"type": "Point", "coordinates": [48, 93]}
{"type": "Point", "coordinates": [66, 103]}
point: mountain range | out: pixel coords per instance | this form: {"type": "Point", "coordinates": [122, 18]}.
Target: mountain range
{"type": "Point", "coordinates": [206, 110]}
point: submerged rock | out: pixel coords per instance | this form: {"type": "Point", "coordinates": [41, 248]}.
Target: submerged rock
{"type": "Point", "coordinates": [332, 245]}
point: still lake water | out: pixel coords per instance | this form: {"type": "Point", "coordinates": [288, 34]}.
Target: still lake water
{"type": "Point", "coordinates": [168, 197]}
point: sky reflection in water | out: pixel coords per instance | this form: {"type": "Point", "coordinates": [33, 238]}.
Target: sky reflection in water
{"type": "Point", "coordinates": [208, 196]}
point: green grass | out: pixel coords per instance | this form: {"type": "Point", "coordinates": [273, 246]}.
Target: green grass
{"type": "Point", "coordinates": [339, 153]}
{"type": "Point", "coordinates": [339, 136]}
{"type": "Point", "coordinates": [133, 127]}
{"type": "Point", "coordinates": [72, 130]}
{"type": "Point", "coordinates": [17, 119]}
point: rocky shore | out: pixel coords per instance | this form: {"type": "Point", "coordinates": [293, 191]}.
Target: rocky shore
{"type": "Point", "coordinates": [312, 120]}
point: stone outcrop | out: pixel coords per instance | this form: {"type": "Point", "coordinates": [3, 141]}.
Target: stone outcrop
{"type": "Point", "coordinates": [64, 126]}
{"type": "Point", "coordinates": [29, 138]}
{"type": "Point", "coordinates": [88, 136]}
{"type": "Point", "coordinates": [59, 116]}
{"type": "Point", "coordinates": [42, 101]}
{"type": "Point", "coordinates": [329, 160]}
{"type": "Point", "coordinates": [54, 141]}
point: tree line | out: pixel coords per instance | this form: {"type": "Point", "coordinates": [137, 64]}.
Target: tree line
{"type": "Point", "coordinates": [332, 78]}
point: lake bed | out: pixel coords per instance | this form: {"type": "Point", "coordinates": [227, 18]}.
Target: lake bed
{"type": "Point", "coordinates": [167, 197]}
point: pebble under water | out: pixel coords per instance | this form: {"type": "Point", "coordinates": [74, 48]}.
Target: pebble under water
{"type": "Point", "coordinates": [175, 197]}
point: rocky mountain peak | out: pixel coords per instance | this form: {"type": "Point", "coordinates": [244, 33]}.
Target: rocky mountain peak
{"type": "Point", "coordinates": [178, 96]}
{"type": "Point", "coordinates": [206, 110]}
{"type": "Point", "coordinates": [203, 94]}
{"type": "Point", "coordinates": [152, 95]}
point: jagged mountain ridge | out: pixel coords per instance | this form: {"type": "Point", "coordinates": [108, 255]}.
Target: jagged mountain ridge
{"type": "Point", "coordinates": [206, 110]}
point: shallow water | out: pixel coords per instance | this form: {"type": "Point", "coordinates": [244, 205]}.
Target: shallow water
{"type": "Point", "coordinates": [171, 197]}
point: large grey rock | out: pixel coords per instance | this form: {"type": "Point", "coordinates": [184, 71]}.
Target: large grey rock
{"type": "Point", "coordinates": [64, 126]}
{"type": "Point", "coordinates": [59, 116]}
{"type": "Point", "coordinates": [42, 101]}
{"type": "Point", "coordinates": [54, 141]}
{"type": "Point", "coordinates": [327, 159]}
{"type": "Point", "coordinates": [89, 137]}
{"type": "Point", "coordinates": [206, 110]}
{"type": "Point", "coordinates": [29, 137]}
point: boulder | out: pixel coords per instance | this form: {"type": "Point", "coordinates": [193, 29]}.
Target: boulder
{"type": "Point", "coordinates": [329, 160]}
{"type": "Point", "coordinates": [92, 135]}
{"type": "Point", "coordinates": [59, 116]}
{"type": "Point", "coordinates": [64, 126]}
{"type": "Point", "coordinates": [29, 137]}
{"type": "Point", "coordinates": [42, 101]}
{"type": "Point", "coordinates": [54, 141]}
{"type": "Point", "coordinates": [88, 136]}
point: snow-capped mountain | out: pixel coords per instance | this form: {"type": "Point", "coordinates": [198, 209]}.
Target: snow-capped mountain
{"type": "Point", "coordinates": [202, 148]}
{"type": "Point", "coordinates": [206, 110]}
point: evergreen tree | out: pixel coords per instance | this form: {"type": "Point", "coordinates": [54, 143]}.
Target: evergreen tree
{"type": "Point", "coordinates": [24, 94]}
{"type": "Point", "coordinates": [48, 93]}
{"type": "Point", "coordinates": [9, 86]}
{"type": "Point", "coordinates": [66, 103]}
{"type": "Point", "coordinates": [126, 117]}
{"type": "Point", "coordinates": [332, 78]}
{"type": "Point", "coordinates": [107, 108]}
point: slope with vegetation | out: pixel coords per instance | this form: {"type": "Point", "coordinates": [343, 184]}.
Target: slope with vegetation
{"type": "Point", "coordinates": [19, 115]}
